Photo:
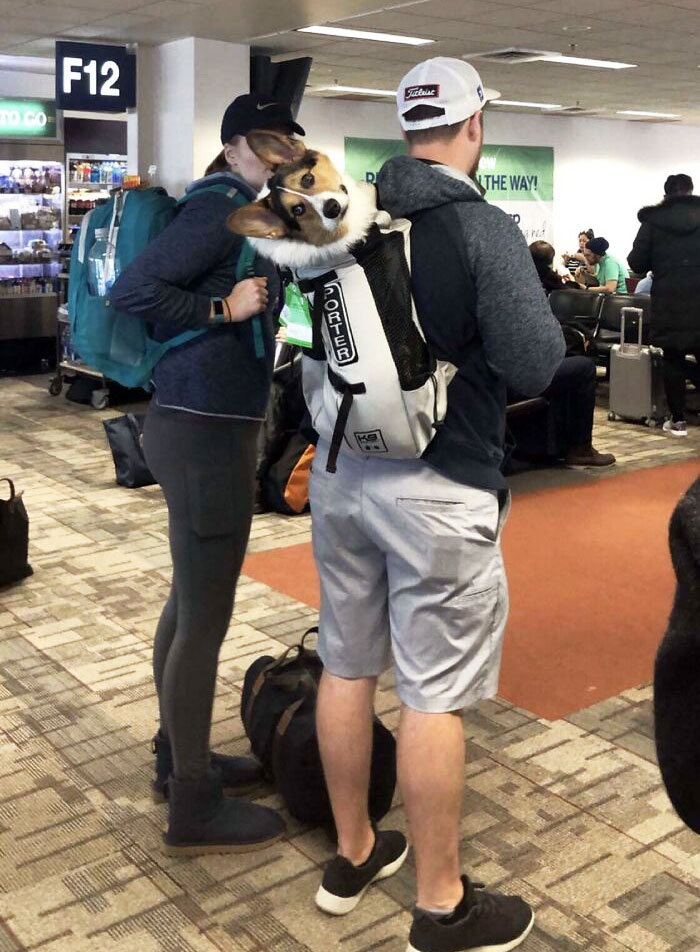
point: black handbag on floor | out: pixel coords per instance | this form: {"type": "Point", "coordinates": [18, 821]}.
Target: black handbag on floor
{"type": "Point", "coordinates": [14, 538]}
{"type": "Point", "coordinates": [125, 435]}
{"type": "Point", "coordinates": [278, 709]}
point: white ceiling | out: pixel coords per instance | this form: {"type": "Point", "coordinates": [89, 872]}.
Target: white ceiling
{"type": "Point", "coordinates": [662, 38]}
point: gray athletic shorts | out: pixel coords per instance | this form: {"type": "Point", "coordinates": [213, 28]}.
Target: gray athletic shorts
{"type": "Point", "coordinates": [410, 562]}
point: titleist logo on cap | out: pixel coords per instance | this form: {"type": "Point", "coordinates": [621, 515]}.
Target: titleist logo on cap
{"type": "Point", "coordinates": [429, 91]}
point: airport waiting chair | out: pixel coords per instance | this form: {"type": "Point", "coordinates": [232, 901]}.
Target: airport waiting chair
{"type": "Point", "coordinates": [582, 307]}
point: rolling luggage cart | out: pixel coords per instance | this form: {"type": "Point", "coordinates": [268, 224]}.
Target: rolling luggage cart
{"type": "Point", "coordinates": [69, 365]}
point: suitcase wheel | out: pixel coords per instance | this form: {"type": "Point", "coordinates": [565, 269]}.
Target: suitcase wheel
{"type": "Point", "coordinates": [612, 416]}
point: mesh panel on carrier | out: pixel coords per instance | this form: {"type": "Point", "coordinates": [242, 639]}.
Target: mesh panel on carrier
{"type": "Point", "coordinates": [383, 260]}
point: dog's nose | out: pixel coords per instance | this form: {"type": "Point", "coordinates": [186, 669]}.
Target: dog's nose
{"type": "Point", "coordinates": [331, 208]}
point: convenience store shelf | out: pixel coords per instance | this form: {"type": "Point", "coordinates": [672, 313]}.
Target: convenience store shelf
{"type": "Point", "coordinates": [26, 297]}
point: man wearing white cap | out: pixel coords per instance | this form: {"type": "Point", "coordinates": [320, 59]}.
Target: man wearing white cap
{"type": "Point", "coordinates": [418, 558]}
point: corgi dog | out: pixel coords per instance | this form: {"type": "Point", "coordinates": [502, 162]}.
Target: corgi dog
{"type": "Point", "coordinates": [309, 214]}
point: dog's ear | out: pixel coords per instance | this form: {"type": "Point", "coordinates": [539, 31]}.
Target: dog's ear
{"type": "Point", "coordinates": [257, 220]}
{"type": "Point", "coordinates": [275, 148]}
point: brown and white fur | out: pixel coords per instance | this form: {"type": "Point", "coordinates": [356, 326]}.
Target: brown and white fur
{"type": "Point", "coordinates": [308, 215]}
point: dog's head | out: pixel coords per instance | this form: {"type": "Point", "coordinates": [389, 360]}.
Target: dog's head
{"type": "Point", "coordinates": [306, 199]}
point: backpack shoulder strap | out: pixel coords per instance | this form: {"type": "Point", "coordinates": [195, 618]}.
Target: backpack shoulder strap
{"type": "Point", "coordinates": [244, 265]}
{"type": "Point", "coordinates": [230, 191]}
{"type": "Point", "coordinates": [82, 237]}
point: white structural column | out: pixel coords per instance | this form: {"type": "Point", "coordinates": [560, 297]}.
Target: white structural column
{"type": "Point", "coordinates": [139, 127]}
{"type": "Point", "coordinates": [185, 88]}
{"type": "Point", "coordinates": [222, 72]}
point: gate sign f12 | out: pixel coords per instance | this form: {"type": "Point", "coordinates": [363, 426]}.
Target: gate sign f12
{"type": "Point", "coordinates": [91, 77]}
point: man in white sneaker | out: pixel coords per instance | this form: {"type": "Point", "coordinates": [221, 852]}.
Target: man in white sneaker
{"type": "Point", "coordinates": [408, 551]}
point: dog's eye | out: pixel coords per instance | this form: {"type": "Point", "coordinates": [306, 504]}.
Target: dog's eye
{"type": "Point", "coordinates": [298, 210]}
{"type": "Point", "coordinates": [343, 189]}
{"type": "Point", "coordinates": [307, 180]}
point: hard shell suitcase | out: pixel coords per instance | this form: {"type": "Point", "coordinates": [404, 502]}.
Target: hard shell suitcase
{"type": "Point", "coordinates": [636, 377]}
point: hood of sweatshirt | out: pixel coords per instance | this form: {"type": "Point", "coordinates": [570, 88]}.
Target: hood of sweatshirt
{"type": "Point", "coordinates": [407, 186]}
{"type": "Point", "coordinates": [679, 214]}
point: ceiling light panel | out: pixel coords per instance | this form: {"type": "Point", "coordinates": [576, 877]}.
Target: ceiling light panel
{"type": "Point", "coordinates": [525, 105]}
{"type": "Point", "coordinates": [652, 115]}
{"type": "Point", "coordinates": [356, 89]}
{"type": "Point", "coordinates": [348, 34]}
{"type": "Point", "coordinates": [584, 61]}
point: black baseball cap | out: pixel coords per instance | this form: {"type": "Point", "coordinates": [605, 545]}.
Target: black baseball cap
{"type": "Point", "coordinates": [256, 112]}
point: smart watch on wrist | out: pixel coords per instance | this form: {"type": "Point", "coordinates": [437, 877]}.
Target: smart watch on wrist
{"type": "Point", "coordinates": [219, 312]}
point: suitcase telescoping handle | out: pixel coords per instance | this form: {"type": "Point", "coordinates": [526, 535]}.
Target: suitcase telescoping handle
{"type": "Point", "coordinates": [639, 313]}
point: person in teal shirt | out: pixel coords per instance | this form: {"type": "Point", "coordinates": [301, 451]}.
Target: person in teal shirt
{"type": "Point", "coordinates": [611, 273]}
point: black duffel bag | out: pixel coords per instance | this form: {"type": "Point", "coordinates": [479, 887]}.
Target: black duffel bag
{"type": "Point", "coordinates": [14, 537]}
{"type": "Point", "coordinates": [125, 436]}
{"type": "Point", "coordinates": [278, 709]}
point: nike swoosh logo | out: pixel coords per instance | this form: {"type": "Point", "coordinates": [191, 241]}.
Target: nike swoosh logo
{"type": "Point", "coordinates": [258, 106]}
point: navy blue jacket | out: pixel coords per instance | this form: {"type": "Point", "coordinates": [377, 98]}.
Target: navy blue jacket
{"type": "Point", "coordinates": [481, 307]}
{"type": "Point", "coordinates": [171, 286]}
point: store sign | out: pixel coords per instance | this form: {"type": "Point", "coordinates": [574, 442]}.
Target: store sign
{"type": "Point", "coordinates": [91, 77]}
{"type": "Point", "coordinates": [35, 118]}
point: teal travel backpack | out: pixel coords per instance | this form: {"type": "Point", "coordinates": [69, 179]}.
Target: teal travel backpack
{"type": "Point", "coordinates": [116, 344]}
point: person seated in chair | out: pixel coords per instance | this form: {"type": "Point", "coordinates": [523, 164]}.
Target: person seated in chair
{"type": "Point", "coordinates": [543, 257]}
{"type": "Point", "coordinates": [611, 275]}
{"type": "Point", "coordinates": [571, 395]}
{"type": "Point", "coordinates": [572, 391]}
{"type": "Point", "coordinates": [574, 261]}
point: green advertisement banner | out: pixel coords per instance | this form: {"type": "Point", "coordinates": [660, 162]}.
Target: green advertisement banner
{"type": "Point", "coordinates": [35, 118]}
{"type": "Point", "coordinates": [517, 173]}
{"type": "Point", "coordinates": [517, 178]}
{"type": "Point", "coordinates": [365, 157]}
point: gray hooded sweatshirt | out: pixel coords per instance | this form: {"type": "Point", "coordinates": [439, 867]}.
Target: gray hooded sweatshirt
{"type": "Point", "coordinates": [481, 307]}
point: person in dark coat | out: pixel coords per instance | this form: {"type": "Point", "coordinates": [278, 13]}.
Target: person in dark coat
{"type": "Point", "coordinates": [668, 244]}
{"type": "Point", "coordinates": [677, 670]}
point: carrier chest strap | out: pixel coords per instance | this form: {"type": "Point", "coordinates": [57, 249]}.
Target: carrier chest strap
{"type": "Point", "coordinates": [316, 286]}
{"type": "Point", "coordinates": [348, 390]}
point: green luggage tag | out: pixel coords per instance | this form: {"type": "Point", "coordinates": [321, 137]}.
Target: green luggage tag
{"type": "Point", "coordinates": [296, 317]}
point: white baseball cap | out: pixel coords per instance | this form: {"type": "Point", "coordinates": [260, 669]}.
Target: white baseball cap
{"type": "Point", "coordinates": [452, 85]}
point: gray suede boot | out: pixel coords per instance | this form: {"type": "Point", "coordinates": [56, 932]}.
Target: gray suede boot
{"type": "Point", "coordinates": [202, 820]}
{"type": "Point", "coordinates": [239, 775]}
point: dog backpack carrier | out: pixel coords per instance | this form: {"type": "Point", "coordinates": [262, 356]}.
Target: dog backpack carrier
{"type": "Point", "coordinates": [117, 344]}
{"type": "Point", "coordinates": [372, 385]}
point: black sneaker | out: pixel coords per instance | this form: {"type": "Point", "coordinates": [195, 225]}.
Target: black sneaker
{"type": "Point", "coordinates": [482, 922]}
{"type": "Point", "coordinates": [344, 884]}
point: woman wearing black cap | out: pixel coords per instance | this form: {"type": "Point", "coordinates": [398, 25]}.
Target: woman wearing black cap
{"type": "Point", "coordinates": [200, 442]}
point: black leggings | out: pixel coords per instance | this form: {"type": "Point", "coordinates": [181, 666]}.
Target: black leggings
{"type": "Point", "coordinates": [206, 468]}
{"type": "Point", "coordinates": [676, 370]}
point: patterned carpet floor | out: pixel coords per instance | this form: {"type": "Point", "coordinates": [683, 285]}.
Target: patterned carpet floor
{"type": "Point", "coordinates": [570, 813]}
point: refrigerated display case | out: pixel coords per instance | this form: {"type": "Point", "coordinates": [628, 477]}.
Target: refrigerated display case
{"type": "Point", "coordinates": [90, 179]}
{"type": "Point", "coordinates": [31, 228]}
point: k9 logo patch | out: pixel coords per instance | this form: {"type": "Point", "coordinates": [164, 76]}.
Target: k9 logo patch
{"type": "Point", "coordinates": [339, 331]}
{"type": "Point", "coordinates": [371, 441]}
